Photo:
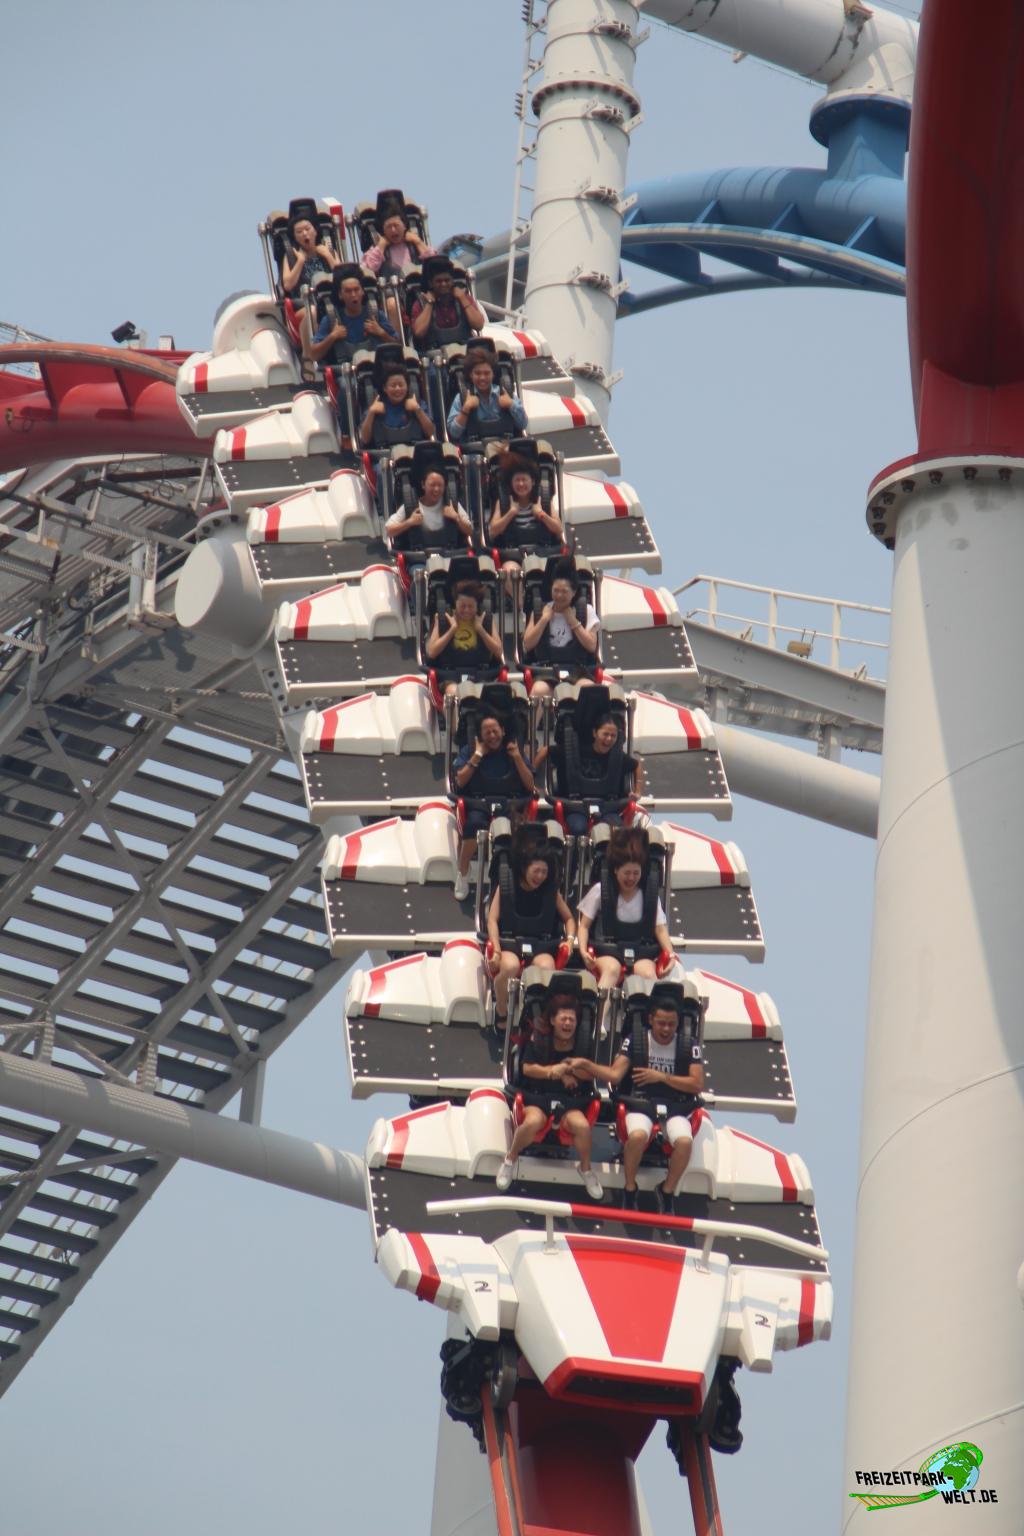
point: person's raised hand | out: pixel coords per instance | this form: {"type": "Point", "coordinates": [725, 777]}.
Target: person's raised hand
{"type": "Point", "coordinates": [470, 403]}
{"type": "Point", "coordinates": [504, 400]}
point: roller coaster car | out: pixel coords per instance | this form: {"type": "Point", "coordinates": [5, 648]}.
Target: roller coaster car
{"type": "Point", "coordinates": [526, 1027]}
{"type": "Point", "coordinates": [367, 219]}
{"type": "Point", "coordinates": [581, 781]}
{"type": "Point", "coordinates": [597, 1316]}
{"type": "Point", "coordinates": [547, 842]}
{"type": "Point", "coordinates": [373, 754]}
{"type": "Point", "coordinates": [404, 475]}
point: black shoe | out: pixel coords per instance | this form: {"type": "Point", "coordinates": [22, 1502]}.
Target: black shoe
{"type": "Point", "coordinates": [665, 1202]}
{"type": "Point", "coordinates": [630, 1199]}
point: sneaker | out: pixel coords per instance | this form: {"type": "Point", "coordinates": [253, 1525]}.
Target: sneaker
{"type": "Point", "coordinates": [461, 887]}
{"type": "Point", "coordinates": [505, 1174]}
{"type": "Point", "coordinates": [630, 1199]}
{"type": "Point", "coordinates": [591, 1183]}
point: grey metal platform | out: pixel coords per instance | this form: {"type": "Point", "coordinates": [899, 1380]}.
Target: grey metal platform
{"type": "Point", "coordinates": [342, 782]}
{"type": "Point", "coordinates": [658, 656]}
{"type": "Point", "coordinates": [618, 543]}
{"type": "Point", "coordinates": [363, 915]}
{"type": "Point", "coordinates": [425, 1060]}
{"type": "Point", "coordinates": [714, 920]}
{"type": "Point", "coordinates": [328, 669]}
{"type": "Point", "coordinates": [206, 413]}
{"type": "Point", "coordinates": [257, 482]}
{"type": "Point", "coordinates": [291, 570]}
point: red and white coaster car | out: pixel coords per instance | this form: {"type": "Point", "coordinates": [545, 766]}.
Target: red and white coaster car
{"type": "Point", "coordinates": [724, 1164]}
{"type": "Point", "coordinates": [308, 428]}
{"type": "Point", "coordinates": [628, 605]}
{"type": "Point", "coordinates": [699, 861]}
{"type": "Point", "coordinates": [592, 1314]}
{"type": "Point", "coordinates": [587, 499]}
{"type": "Point", "coordinates": [734, 1012]}
{"type": "Point", "coordinates": [373, 724]}
{"type": "Point", "coordinates": [343, 511]}
{"type": "Point", "coordinates": [450, 988]}
{"type": "Point", "coordinates": [397, 852]}
{"type": "Point", "coordinates": [369, 609]}
{"type": "Point", "coordinates": [659, 725]}
{"type": "Point", "coordinates": [250, 350]}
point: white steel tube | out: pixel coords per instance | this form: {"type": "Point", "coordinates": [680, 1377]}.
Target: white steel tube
{"type": "Point", "coordinates": [799, 781]}
{"type": "Point", "coordinates": [584, 105]}
{"type": "Point", "coordinates": [873, 55]}
{"type": "Point", "coordinates": [937, 1350]}
{"type": "Point", "coordinates": [177, 1130]}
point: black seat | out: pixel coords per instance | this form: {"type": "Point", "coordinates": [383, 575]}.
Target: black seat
{"type": "Point", "coordinates": [541, 457]}
{"type": "Point", "coordinates": [576, 709]}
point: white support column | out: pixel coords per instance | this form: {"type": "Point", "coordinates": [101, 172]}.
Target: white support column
{"type": "Point", "coordinates": [584, 105]}
{"type": "Point", "coordinates": [937, 1351]}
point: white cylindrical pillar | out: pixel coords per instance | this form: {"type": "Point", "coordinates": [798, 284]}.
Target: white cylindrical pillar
{"type": "Point", "coordinates": [584, 107]}
{"type": "Point", "coordinates": [937, 1352]}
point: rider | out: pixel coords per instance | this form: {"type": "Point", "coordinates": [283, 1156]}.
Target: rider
{"type": "Point", "coordinates": [493, 770]}
{"type": "Point", "coordinates": [532, 911]}
{"type": "Point", "coordinates": [605, 773]}
{"type": "Point", "coordinates": [558, 637]}
{"type": "Point", "coordinates": [465, 645]}
{"type": "Point", "coordinates": [433, 524]}
{"type": "Point", "coordinates": [555, 1083]}
{"type": "Point", "coordinates": [657, 1065]}
{"type": "Point", "coordinates": [447, 314]}
{"type": "Point", "coordinates": [396, 416]}
{"type": "Point", "coordinates": [525, 525]}
{"type": "Point", "coordinates": [484, 411]}
{"type": "Point", "coordinates": [627, 916]}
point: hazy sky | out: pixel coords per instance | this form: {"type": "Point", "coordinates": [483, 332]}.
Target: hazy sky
{"type": "Point", "coordinates": [237, 1365]}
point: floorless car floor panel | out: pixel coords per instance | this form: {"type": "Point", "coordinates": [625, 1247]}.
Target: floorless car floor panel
{"type": "Point", "coordinates": [423, 1056]}
{"type": "Point", "coordinates": [308, 567]}
{"type": "Point", "coordinates": [396, 917]}
{"type": "Point", "coordinates": [320, 668]}
{"type": "Point", "coordinates": [620, 542]}
{"type": "Point", "coordinates": [716, 919]}
{"type": "Point", "coordinates": [344, 781]}
{"type": "Point", "coordinates": [399, 1199]}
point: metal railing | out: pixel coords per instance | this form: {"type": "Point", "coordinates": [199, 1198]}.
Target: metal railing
{"type": "Point", "coordinates": [794, 622]}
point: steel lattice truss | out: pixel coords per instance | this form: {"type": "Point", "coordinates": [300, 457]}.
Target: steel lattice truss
{"type": "Point", "coordinates": [160, 918]}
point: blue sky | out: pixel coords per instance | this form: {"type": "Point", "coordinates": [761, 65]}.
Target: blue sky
{"type": "Point", "coordinates": [238, 1364]}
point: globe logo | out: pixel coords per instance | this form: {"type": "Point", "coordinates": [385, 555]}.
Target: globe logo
{"type": "Point", "coordinates": [957, 1465]}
